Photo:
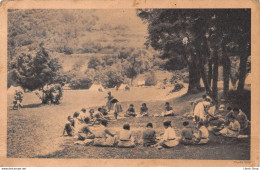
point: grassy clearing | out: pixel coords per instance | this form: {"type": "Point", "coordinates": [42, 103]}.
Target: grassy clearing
{"type": "Point", "coordinates": [35, 131]}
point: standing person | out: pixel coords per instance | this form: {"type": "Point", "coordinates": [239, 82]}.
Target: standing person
{"type": "Point", "coordinates": [203, 135]}
{"type": "Point", "coordinates": [117, 107]}
{"type": "Point", "coordinates": [103, 136]}
{"type": "Point", "coordinates": [149, 136]}
{"type": "Point", "coordinates": [109, 99]}
{"type": "Point", "coordinates": [200, 111]}
{"type": "Point", "coordinates": [69, 127]}
{"type": "Point", "coordinates": [126, 139]}
{"type": "Point", "coordinates": [143, 110]}
{"type": "Point", "coordinates": [168, 111]}
{"type": "Point", "coordinates": [187, 134]}
{"type": "Point", "coordinates": [169, 139]}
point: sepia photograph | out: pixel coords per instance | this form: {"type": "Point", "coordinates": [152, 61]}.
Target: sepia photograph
{"type": "Point", "coordinates": [129, 83]}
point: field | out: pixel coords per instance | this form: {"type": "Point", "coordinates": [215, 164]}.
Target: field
{"type": "Point", "coordinates": [35, 130]}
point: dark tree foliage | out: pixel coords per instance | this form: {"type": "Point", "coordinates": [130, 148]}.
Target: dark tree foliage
{"type": "Point", "coordinates": [34, 72]}
{"type": "Point", "coordinates": [193, 38]}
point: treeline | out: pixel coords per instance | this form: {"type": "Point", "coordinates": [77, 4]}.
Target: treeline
{"type": "Point", "coordinates": [202, 40]}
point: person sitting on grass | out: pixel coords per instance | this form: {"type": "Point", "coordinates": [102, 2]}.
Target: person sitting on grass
{"type": "Point", "coordinates": [104, 110]}
{"type": "Point", "coordinates": [169, 139]}
{"type": "Point", "coordinates": [76, 121]}
{"type": "Point", "coordinates": [82, 115]}
{"type": "Point", "coordinates": [232, 130]}
{"type": "Point", "coordinates": [98, 116]}
{"type": "Point", "coordinates": [69, 127]}
{"type": "Point", "coordinates": [84, 132]}
{"type": "Point", "coordinates": [143, 110]}
{"type": "Point", "coordinates": [103, 136]}
{"type": "Point", "coordinates": [187, 134]}
{"type": "Point", "coordinates": [126, 139]}
{"type": "Point", "coordinates": [168, 111]}
{"type": "Point", "coordinates": [241, 117]}
{"type": "Point", "coordinates": [202, 137]}
{"type": "Point", "coordinates": [91, 114]}
{"type": "Point", "coordinates": [149, 136]}
{"type": "Point", "coordinates": [130, 111]}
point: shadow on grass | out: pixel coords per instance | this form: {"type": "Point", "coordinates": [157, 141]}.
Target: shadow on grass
{"type": "Point", "coordinates": [32, 105]}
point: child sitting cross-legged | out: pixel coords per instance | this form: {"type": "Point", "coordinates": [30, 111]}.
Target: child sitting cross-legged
{"type": "Point", "coordinates": [126, 139]}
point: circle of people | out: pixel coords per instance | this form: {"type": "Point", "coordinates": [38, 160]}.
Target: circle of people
{"type": "Point", "coordinates": [228, 123]}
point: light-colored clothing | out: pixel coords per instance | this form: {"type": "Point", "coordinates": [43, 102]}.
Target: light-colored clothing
{"type": "Point", "coordinates": [102, 138]}
{"type": "Point", "coordinates": [168, 111]}
{"type": "Point", "coordinates": [232, 130]}
{"type": "Point", "coordinates": [126, 139]}
{"type": "Point", "coordinates": [204, 135]}
{"type": "Point", "coordinates": [169, 138]}
{"type": "Point", "coordinates": [242, 119]}
{"type": "Point", "coordinates": [200, 110]}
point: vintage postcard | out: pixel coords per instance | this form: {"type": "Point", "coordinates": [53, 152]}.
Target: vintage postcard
{"type": "Point", "coordinates": [129, 83]}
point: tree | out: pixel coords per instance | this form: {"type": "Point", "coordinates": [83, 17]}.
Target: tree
{"type": "Point", "coordinates": [35, 72]}
{"type": "Point", "coordinates": [93, 63]}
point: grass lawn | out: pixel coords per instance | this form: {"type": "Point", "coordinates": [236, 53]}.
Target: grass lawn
{"type": "Point", "coordinates": [35, 130]}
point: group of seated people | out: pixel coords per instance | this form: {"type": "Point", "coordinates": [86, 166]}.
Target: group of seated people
{"type": "Point", "coordinates": [229, 123]}
{"type": "Point", "coordinates": [168, 111]}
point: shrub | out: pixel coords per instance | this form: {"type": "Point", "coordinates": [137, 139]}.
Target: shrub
{"type": "Point", "coordinates": [111, 79]}
{"type": "Point", "coordinates": [150, 80]}
{"type": "Point", "coordinates": [83, 83]}
{"type": "Point", "coordinates": [68, 50]}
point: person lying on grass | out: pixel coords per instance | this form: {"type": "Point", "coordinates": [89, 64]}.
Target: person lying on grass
{"type": "Point", "coordinates": [103, 136]}
{"type": "Point", "coordinates": [149, 136]}
{"type": "Point", "coordinates": [126, 139]}
{"type": "Point", "coordinates": [85, 132]}
{"type": "Point", "coordinates": [130, 111]}
{"type": "Point", "coordinates": [169, 139]}
{"type": "Point", "coordinates": [143, 111]}
{"type": "Point", "coordinates": [168, 111]}
{"type": "Point", "coordinates": [202, 137]}
{"type": "Point", "coordinates": [69, 127]}
{"type": "Point", "coordinates": [187, 134]}
{"type": "Point", "coordinates": [232, 130]}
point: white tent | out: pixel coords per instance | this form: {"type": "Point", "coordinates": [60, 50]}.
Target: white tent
{"type": "Point", "coordinates": [11, 90]}
{"type": "Point", "coordinates": [96, 87]}
{"type": "Point", "coordinates": [141, 83]}
{"type": "Point", "coordinates": [122, 86]}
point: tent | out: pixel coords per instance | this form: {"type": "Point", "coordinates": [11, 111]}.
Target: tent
{"type": "Point", "coordinates": [11, 90]}
{"type": "Point", "coordinates": [141, 83]}
{"type": "Point", "coordinates": [122, 86]}
{"type": "Point", "coordinates": [97, 87]}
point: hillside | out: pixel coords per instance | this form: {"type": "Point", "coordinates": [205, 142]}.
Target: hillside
{"type": "Point", "coordinates": [74, 36]}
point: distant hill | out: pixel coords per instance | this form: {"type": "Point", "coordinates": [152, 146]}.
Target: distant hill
{"type": "Point", "coordinates": [74, 35]}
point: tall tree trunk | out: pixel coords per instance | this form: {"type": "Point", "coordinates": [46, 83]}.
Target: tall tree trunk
{"type": "Point", "coordinates": [226, 71]}
{"type": "Point", "coordinates": [205, 81]}
{"type": "Point", "coordinates": [215, 76]}
{"type": "Point", "coordinates": [194, 79]}
{"type": "Point", "coordinates": [242, 73]}
{"type": "Point", "coordinates": [209, 71]}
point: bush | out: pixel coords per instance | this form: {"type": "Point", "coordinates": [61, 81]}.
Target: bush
{"type": "Point", "coordinates": [150, 80]}
{"type": "Point", "coordinates": [68, 50]}
{"type": "Point", "coordinates": [83, 83]}
{"type": "Point", "coordinates": [111, 79]}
